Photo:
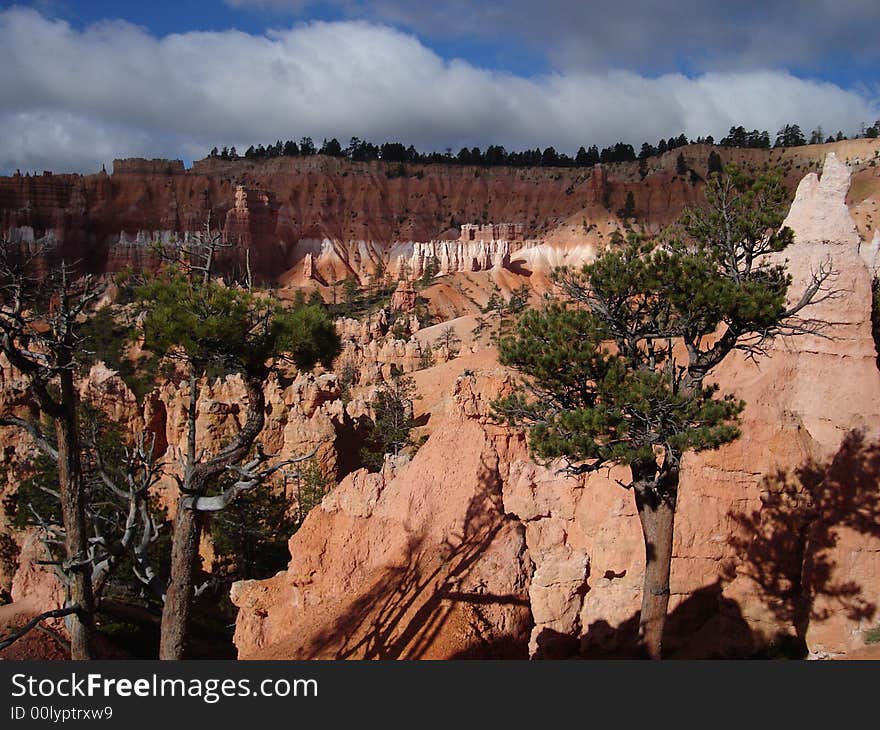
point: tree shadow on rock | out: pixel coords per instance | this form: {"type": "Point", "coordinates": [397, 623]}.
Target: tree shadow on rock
{"type": "Point", "coordinates": [405, 610]}
{"type": "Point", "coordinates": [705, 625]}
{"type": "Point", "coordinates": [787, 546]}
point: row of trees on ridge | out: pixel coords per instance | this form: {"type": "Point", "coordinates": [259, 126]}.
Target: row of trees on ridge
{"type": "Point", "coordinates": [359, 150]}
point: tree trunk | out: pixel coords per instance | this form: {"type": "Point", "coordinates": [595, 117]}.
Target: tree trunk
{"type": "Point", "coordinates": [655, 501]}
{"type": "Point", "coordinates": [197, 478]}
{"type": "Point", "coordinates": [184, 548]}
{"type": "Point", "coordinates": [80, 625]}
{"type": "Point", "coordinates": [179, 597]}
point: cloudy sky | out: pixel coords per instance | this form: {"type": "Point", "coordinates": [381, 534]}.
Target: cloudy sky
{"type": "Point", "coordinates": [84, 81]}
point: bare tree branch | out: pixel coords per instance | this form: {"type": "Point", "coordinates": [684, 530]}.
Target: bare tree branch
{"type": "Point", "coordinates": [34, 622]}
{"type": "Point", "coordinates": [35, 432]}
{"type": "Point", "coordinates": [249, 477]}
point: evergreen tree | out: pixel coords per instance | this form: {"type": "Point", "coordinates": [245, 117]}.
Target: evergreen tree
{"type": "Point", "coordinates": [736, 137]}
{"type": "Point", "coordinates": [450, 340]}
{"type": "Point", "coordinates": [680, 165]}
{"type": "Point", "coordinates": [606, 383]}
{"type": "Point", "coordinates": [432, 268]}
{"type": "Point", "coordinates": [351, 289]}
{"type": "Point", "coordinates": [250, 537]}
{"type": "Point", "coordinates": [208, 328]}
{"type": "Point", "coordinates": [519, 300]}
{"type": "Point", "coordinates": [392, 408]}
{"type": "Point", "coordinates": [790, 136]}
{"type": "Point", "coordinates": [496, 155]}
{"type": "Point", "coordinates": [549, 158]}
{"type": "Point", "coordinates": [331, 148]}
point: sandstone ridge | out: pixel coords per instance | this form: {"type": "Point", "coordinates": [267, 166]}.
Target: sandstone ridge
{"type": "Point", "coordinates": [777, 541]}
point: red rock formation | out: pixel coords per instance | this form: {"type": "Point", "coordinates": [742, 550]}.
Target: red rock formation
{"type": "Point", "coordinates": [492, 232]}
{"type": "Point", "coordinates": [35, 589]}
{"type": "Point", "coordinates": [778, 533]}
{"type": "Point", "coordinates": [141, 166]}
{"type": "Point", "coordinates": [485, 551]}
{"type": "Point", "coordinates": [349, 216]}
{"type": "Point", "coordinates": [422, 565]}
{"type": "Point", "coordinates": [250, 229]}
{"type": "Point", "coordinates": [404, 297]}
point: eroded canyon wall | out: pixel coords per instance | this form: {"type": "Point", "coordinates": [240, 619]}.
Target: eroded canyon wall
{"type": "Point", "coordinates": [325, 219]}
{"type": "Point", "coordinates": [777, 539]}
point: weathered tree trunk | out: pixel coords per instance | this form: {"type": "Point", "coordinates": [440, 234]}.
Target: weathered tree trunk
{"type": "Point", "coordinates": [80, 625]}
{"type": "Point", "coordinates": [197, 478]}
{"type": "Point", "coordinates": [184, 547]}
{"type": "Point", "coordinates": [179, 597]}
{"type": "Point", "coordinates": [655, 501]}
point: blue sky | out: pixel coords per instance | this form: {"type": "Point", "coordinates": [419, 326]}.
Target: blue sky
{"type": "Point", "coordinates": [85, 81]}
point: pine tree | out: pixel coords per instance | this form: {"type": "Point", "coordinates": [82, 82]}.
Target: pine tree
{"type": "Point", "coordinates": [606, 383]}
{"type": "Point", "coordinates": [790, 136]}
{"type": "Point", "coordinates": [680, 164]}
{"type": "Point", "coordinates": [209, 328]}
{"type": "Point", "coordinates": [449, 340]}
{"type": "Point", "coordinates": [351, 289]}
{"type": "Point", "coordinates": [432, 268]}
{"type": "Point", "coordinates": [392, 421]}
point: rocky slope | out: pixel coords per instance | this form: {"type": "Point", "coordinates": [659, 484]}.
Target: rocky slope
{"type": "Point", "coordinates": [471, 549]}
{"type": "Point", "coordinates": [425, 564]}
{"type": "Point", "coordinates": [474, 550]}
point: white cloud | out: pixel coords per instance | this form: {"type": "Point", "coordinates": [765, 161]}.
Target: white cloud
{"type": "Point", "coordinates": [74, 99]}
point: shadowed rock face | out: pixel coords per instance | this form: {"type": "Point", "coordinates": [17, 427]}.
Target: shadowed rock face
{"type": "Point", "coordinates": [422, 564]}
{"type": "Point", "coordinates": [777, 534]}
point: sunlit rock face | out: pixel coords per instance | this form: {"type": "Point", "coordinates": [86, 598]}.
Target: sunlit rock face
{"type": "Point", "coordinates": [472, 548]}
{"type": "Point", "coordinates": [777, 534]}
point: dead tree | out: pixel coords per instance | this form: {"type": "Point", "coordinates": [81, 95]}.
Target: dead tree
{"type": "Point", "coordinates": [38, 335]}
{"type": "Point", "coordinates": [40, 317]}
{"type": "Point", "coordinates": [138, 530]}
{"type": "Point", "coordinates": [127, 527]}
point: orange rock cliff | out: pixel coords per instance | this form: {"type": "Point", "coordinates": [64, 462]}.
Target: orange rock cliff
{"type": "Point", "coordinates": [471, 549]}
{"type": "Point", "coordinates": [326, 219]}
{"type": "Point", "coordinates": [489, 554]}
